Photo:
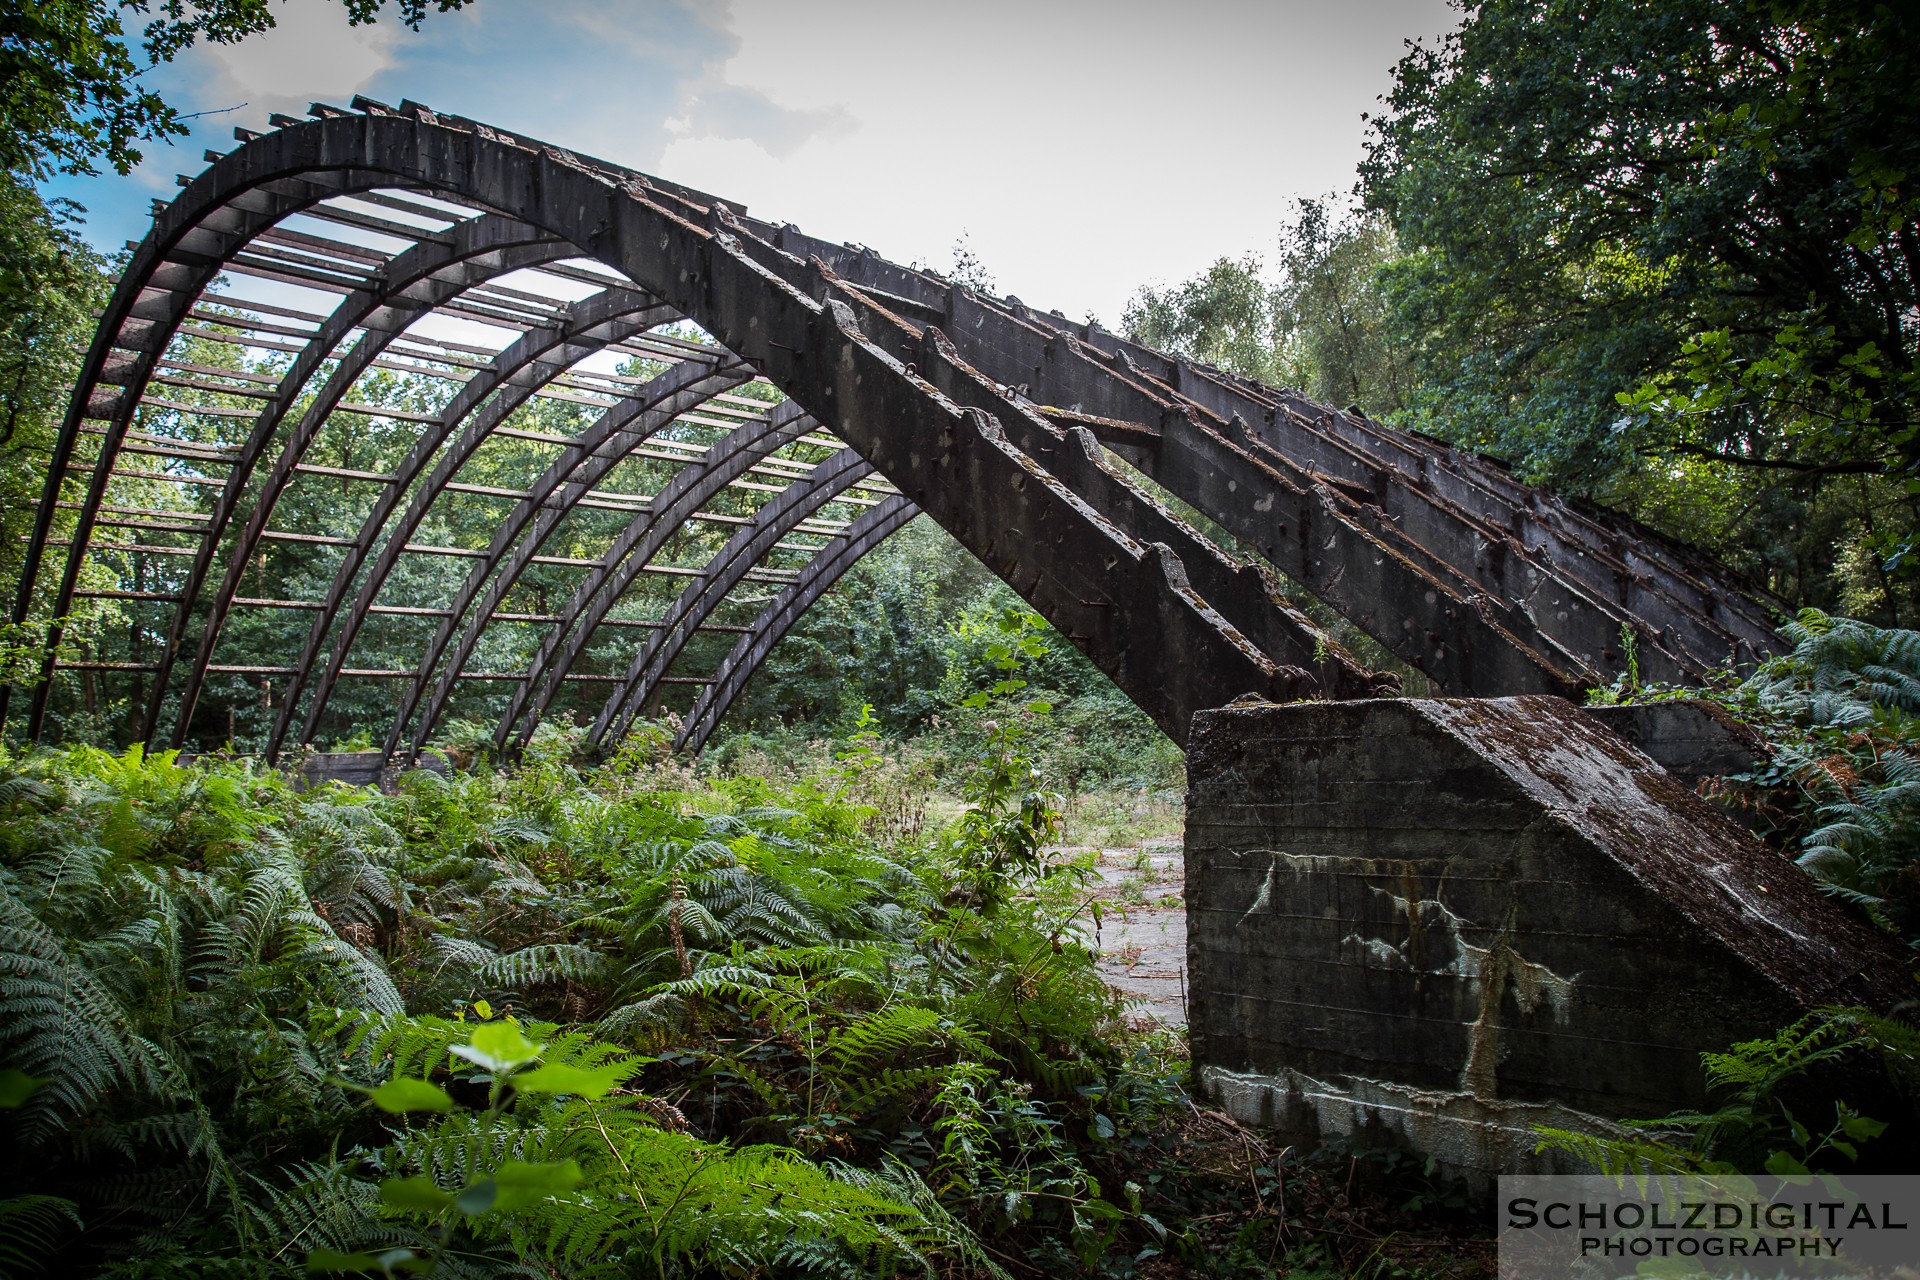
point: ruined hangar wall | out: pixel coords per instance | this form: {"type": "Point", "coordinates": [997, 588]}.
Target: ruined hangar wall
{"type": "Point", "coordinates": [1440, 923]}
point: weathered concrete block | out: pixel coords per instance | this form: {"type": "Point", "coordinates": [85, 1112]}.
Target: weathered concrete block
{"type": "Point", "coordinates": [1692, 739]}
{"type": "Point", "coordinates": [358, 768]}
{"type": "Point", "coordinates": [354, 768]}
{"type": "Point", "coordinates": [1439, 923]}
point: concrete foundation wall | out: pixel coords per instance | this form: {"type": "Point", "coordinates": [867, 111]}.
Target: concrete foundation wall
{"type": "Point", "coordinates": [353, 768]}
{"type": "Point", "coordinates": [1440, 923]}
{"type": "Point", "coordinates": [359, 768]}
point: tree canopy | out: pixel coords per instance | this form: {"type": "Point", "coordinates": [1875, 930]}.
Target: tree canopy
{"type": "Point", "coordinates": [1322, 325]}
{"type": "Point", "coordinates": [70, 90]}
{"type": "Point", "coordinates": [1639, 234]}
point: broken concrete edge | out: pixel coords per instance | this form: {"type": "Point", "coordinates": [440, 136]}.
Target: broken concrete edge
{"type": "Point", "coordinates": [1817, 948]}
{"type": "Point", "coordinates": [1464, 1135]}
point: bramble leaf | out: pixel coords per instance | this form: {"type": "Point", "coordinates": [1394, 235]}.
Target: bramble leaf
{"type": "Point", "coordinates": [405, 1094]}
{"type": "Point", "coordinates": [498, 1046]}
{"type": "Point", "coordinates": [558, 1077]}
{"type": "Point", "coordinates": [417, 1194]}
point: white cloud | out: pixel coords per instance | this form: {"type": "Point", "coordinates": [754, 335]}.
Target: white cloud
{"type": "Point", "coordinates": [311, 54]}
{"type": "Point", "coordinates": [1085, 148]}
{"type": "Point", "coordinates": [714, 109]}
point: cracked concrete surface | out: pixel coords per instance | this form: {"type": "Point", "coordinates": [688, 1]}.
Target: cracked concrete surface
{"type": "Point", "coordinates": [1143, 937]}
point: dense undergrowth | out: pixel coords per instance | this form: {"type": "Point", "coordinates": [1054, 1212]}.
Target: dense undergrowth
{"type": "Point", "coordinates": [625, 1019]}
{"type": "Point", "coordinates": [608, 1021]}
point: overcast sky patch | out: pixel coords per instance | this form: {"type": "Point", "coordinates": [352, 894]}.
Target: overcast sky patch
{"type": "Point", "coordinates": [1083, 147]}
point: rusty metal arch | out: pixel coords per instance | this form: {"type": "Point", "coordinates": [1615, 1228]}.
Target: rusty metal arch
{"type": "Point", "coordinates": [605, 318]}
{"type": "Point", "coordinates": [633, 549]}
{"type": "Point", "coordinates": [1036, 442]}
{"type": "Point", "coordinates": [420, 279]}
{"type": "Point", "coordinates": [746, 549]}
{"type": "Point", "coordinates": [874, 527]}
{"type": "Point", "coordinates": [162, 281]}
{"type": "Point", "coordinates": [584, 463]}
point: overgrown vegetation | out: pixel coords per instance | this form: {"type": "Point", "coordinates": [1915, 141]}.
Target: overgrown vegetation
{"type": "Point", "coordinates": [605, 1021]}
{"type": "Point", "coordinates": [1837, 782]}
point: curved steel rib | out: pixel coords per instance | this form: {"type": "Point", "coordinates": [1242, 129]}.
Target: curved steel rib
{"type": "Point", "coordinates": [169, 270]}
{"type": "Point", "coordinates": [874, 526]}
{"type": "Point", "coordinates": [726, 460]}
{"type": "Point", "coordinates": [607, 317]}
{"type": "Point", "coordinates": [417, 281]}
{"type": "Point", "coordinates": [745, 549]}
{"type": "Point", "coordinates": [584, 464]}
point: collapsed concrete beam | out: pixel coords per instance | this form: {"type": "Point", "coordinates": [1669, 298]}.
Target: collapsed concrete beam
{"type": "Point", "coordinates": [1440, 923]}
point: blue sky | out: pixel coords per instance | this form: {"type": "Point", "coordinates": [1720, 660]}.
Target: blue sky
{"type": "Point", "coordinates": [1083, 147]}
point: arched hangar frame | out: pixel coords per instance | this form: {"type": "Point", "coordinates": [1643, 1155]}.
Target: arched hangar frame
{"type": "Point", "coordinates": [1043, 446]}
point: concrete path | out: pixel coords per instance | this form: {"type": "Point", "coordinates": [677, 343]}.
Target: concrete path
{"type": "Point", "coordinates": [1143, 941]}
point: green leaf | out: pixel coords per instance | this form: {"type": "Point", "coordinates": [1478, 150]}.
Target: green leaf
{"type": "Point", "coordinates": [16, 1087]}
{"type": "Point", "coordinates": [1102, 1127]}
{"type": "Point", "coordinates": [484, 1009]}
{"type": "Point", "coordinates": [558, 1077]}
{"type": "Point", "coordinates": [407, 1094]}
{"type": "Point", "coordinates": [478, 1198]}
{"type": "Point", "coordinates": [520, 1183]}
{"type": "Point", "coordinates": [1040, 707]}
{"type": "Point", "coordinates": [417, 1194]}
{"type": "Point", "coordinates": [1862, 1128]}
{"type": "Point", "coordinates": [498, 1046]}
{"type": "Point", "coordinates": [1782, 1165]}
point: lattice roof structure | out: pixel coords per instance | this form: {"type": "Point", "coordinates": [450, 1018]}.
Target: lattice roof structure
{"type": "Point", "coordinates": [807, 398]}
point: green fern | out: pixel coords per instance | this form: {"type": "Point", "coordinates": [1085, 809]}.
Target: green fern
{"type": "Point", "coordinates": [891, 1032]}
{"type": "Point", "coordinates": [891, 1087]}
{"type": "Point", "coordinates": [1752, 1131]}
{"type": "Point", "coordinates": [59, 1022]}
{"type": "Point", "coordinates": [1619, 1156]}
{"type": "Point", "coordinates": [31, 1229]}
{"type": "Point", "coordinates": [214, 969]}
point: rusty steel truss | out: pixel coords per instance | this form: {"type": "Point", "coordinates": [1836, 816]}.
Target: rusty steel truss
{"type": "Point", "coordinates": [1047, 448]}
